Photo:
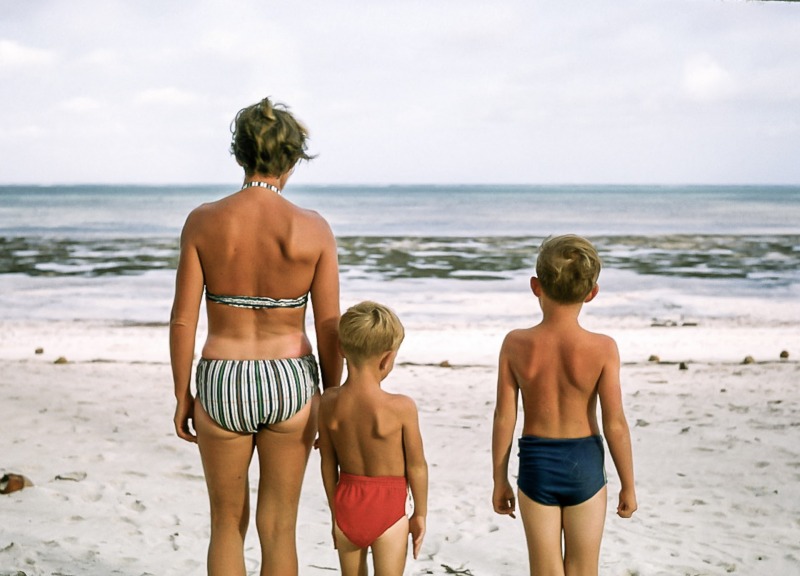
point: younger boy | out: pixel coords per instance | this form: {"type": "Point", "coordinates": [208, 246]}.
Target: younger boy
{"type": "Point", "coordinates": [561, 370]}
{"type": "Point", "coordinates": [371, 450]}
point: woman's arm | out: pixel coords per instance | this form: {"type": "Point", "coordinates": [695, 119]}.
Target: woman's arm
{"type": "Point", "coordinates": [325, 301]}
{"type": "Point", "coordinates": [183, 328]}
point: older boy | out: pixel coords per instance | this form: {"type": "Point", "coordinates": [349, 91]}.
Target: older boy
{"type": "Point", "coordinates": [561, 370]}
{"type": "Point", "coordinates": [371, 450]}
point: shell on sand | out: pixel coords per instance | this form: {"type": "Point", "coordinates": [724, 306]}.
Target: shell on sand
{"type": "Point", "coordinates": [14, 482]}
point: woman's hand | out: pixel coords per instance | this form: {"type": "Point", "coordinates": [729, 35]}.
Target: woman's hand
{"type": "Point", "coordinates": [184, 412]}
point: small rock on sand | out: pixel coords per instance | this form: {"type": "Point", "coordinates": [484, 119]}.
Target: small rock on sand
{"type": "Point", "coordinates": [61, 360]}
{"type": "Point", "coordinates": [748, 360]}
{"type": "Point", "coordinates": [654, 358]}
{"type": "Point", "coordinates": [683, 366]}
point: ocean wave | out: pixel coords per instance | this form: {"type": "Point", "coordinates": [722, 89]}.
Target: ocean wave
{"type": "Point", "coordinates": [773, 259]}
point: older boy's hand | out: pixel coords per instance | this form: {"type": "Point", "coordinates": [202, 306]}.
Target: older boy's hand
{"type": "Point", "coordinates": [416, 527]}
{"type": "Point", "coordinates": [503, 499]}
{"type": "Point", "coordinates": [627, 504]}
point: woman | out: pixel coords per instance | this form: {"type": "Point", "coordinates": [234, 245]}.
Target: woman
{"type": "Point", "coordinates": [257, 257]}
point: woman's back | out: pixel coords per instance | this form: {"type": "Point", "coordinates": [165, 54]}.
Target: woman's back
{"type": "Point", "coordinates": [255, 243]}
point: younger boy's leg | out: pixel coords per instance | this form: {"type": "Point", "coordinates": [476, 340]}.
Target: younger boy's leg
{"type": "Point", "coordinates": [583, 531]}
{"type": "Point", "coordinates": [352, 559]}
{"type": "Point", "coordinates": [390, 549]}
{"type": "Point", "coordinates": [543, 535]}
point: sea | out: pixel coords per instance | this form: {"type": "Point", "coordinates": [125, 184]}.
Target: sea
{"type": "Point", "coordinates": [444, 255]}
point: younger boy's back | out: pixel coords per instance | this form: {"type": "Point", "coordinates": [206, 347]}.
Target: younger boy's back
{"type": "Point", "coordinates": [365, 424]}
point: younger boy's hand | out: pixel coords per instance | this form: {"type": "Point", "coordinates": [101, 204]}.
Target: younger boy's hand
{"type": "Point", "coordinates": [416, 527]}
{"type": "Point", "coordinates": [627, 504]}
{"type": "Point", "coordinates": [503, 499]}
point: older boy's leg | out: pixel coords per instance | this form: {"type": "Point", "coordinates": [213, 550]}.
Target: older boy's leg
{"type": "Point", "coordinates": [390, 549]}
{"type": "Point", "coordinates": [583, 531]}
{"type": "Point", "coordinates": [352, 559]}
{"type": "Point", "coordinates": [543, 534]}
{"type": "Point", "coordinates": [283, 451]}
{"type": "Point", "coordinates": [226, 458]}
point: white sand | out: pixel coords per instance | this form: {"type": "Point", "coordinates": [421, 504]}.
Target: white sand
{"type": "Point", "coordinates": [716, 451]}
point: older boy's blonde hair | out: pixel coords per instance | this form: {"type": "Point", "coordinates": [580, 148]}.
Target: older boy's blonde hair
{"type": "Point", "coordinates": [567, 267]}
{"type": "Point", "coordinates": [369, 329]}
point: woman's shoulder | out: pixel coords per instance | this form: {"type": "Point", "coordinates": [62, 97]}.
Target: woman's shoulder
{"type": "Point", "coordinates": [312, 222]}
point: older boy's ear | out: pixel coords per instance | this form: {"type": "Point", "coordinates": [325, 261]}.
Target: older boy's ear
{"type": "Point", "coordinates": [593, 293]}
{"type": "Point", "coordinates": [536, 286]}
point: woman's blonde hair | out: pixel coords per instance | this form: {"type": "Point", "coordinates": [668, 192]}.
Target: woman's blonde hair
{"type": "Point", "coordinates": [267, 139]}
{"type": "Point", "coordinates": [567, 267]}
{"type": "Point", "coordinates": [369, 329]}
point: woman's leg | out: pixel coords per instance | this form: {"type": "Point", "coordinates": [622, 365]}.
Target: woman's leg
{"type": "Point", "coordinates": [583, 531]}
{"type": "Point", "coordinates": [226, 459]}
{"type": "Point", "coordinates": [283, 451]}
{"type": "Point", "coordinates": [543, 535]}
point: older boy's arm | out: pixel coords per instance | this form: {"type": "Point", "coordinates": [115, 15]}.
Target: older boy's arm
{"type": "Point", "coordinates": [416, 473]}
{"type": "Point", "coordinates": [615, 429]}
{"type": "Point", "coordinates": [329, 463]}
{"type": "Point", "coordinates": [505, 420]}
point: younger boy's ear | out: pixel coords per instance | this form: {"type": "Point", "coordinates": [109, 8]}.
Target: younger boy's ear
{"type": "Point", "coordinates": [593, 293]}
{"type": "Point", "coordinates": [536, 286]}
{"type": "Point", "coordinates": [387, 358]}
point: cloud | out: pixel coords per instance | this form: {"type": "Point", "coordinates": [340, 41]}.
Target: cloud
{"type": "Point", "coordinates": [169, 95]}
{"type": "Point", "coordinates": [14, 55]}
{"type": "Point", "coordinates": [80, 104]}
{"type": "Point", "coordinates": [704, 79]}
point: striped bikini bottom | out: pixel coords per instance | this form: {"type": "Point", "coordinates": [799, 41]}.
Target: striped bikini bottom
{"type": "Point", "coordinates": [244, 395]}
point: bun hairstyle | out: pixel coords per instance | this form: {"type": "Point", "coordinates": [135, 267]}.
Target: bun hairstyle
{"type": "Point", "coordinates": [267, 139]}
{"type": "Point", "coordinates": [567, 267]}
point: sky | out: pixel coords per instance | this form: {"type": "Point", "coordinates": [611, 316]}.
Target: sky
{"type": "Point", "coordinates": [405, 91]}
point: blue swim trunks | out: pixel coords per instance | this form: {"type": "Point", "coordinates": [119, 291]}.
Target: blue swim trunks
{"type": "Point", "coordinates": [561, 471]}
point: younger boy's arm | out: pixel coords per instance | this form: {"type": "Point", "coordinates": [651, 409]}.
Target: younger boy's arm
{"type": "Point", "coordinates": [505, 420]}
{"type": "Point", "coordinates": [416, 473]}
{"type": "Point", "coordinates": [329, 463]}
{"type": "Point", "coordinates": [615, 429]}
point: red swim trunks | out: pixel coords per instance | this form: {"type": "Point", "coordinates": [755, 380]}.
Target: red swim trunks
{"type": "Point", "coordinates": [366, 506]}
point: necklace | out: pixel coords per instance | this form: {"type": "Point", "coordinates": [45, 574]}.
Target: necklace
{"type": "Point", "coordinates": [262, 185]}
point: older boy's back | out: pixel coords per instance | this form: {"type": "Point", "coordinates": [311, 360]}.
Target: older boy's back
{"type": "Point", "coordinates": [557, 369]}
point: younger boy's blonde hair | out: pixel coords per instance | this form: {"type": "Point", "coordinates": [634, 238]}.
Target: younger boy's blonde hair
{"type": "Point", "coordinates": [369, 329]}
{"type": "Point", "coordinates": [567, 267]}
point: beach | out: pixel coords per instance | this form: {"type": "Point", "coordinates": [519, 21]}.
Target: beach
{"type": "Point", "coordinates": [86, 399]}
{"type": "Point", "coordinates": [116, 492]}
